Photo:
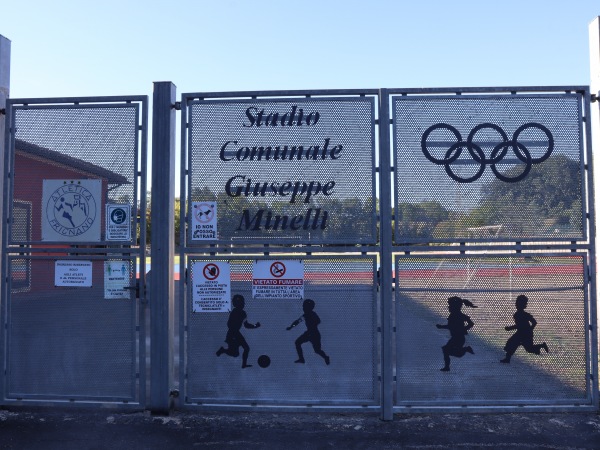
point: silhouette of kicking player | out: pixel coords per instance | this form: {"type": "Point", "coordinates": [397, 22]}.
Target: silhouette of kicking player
{"type": "Point", "coordinates": [458, 331]}
{"type": "Point", "coordinates": [311, 334]}
{"type": "Point", "coordinates": [524, 324]}
{"type": "Point", "coordinates": [234, 338]}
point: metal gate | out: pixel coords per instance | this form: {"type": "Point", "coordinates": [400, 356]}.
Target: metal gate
{"type": "Point", "coordinates": [388, 250]}
{"type": "Point", "coordinates": [494, 236]}
{"type": "Point", "coordinates": [74, 251]}
{"type": "Point", "coordinates": [393, 213]}
{"type": "Point", "coordinates": [266, 321]}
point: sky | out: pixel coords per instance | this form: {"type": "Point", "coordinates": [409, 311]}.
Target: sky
{"type": "Point", "coordinates": [65, 48]}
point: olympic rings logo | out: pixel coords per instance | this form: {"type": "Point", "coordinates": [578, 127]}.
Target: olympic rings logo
{"type": "Point", "coordinates": [497, 155]}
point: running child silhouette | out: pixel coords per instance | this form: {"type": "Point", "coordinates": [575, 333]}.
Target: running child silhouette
{"type": "Point", "coordinates": [458, 325]}
{"type": "Point", "coordinates": [234, 338]}
{"type": "Point", "coordinates": [524, 324]}
{"type": "Point", "coordinates": [311, 334]}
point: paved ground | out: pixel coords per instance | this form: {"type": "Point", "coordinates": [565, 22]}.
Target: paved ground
{"type": "Point", "coordinates": [99, 429]}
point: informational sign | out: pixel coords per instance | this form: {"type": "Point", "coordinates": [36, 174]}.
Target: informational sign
{"type": "Point", "coordinates": [73, 273]}
{"type": "Point", "coordinates": [286, 170]}
{"type": "Point", "coordinates": [118, 222]}
{"type": "Point", "coordinates": [278, 279]}
{"type": "Point", "coordinates": [204, 221]}
{"type": "Point", "coordinates": [211, 287]}
{"type": "Point", "coordinates": [71, 210]}
{"type": "Point", "coordinates": [116, 279]}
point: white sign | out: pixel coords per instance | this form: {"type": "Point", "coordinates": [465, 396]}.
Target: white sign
{"type": "Point", "coordinates": [73, 273]}
{"type": "Point", "coordinates": [118, 222]}
{"type": "Point", "coordinates": [71, 210]}
{"type": "Point", "coordinates": [204, 221]}
{"type": "Point", "coordinates": [116, 279]}
{"type": "Point", "coordinates": [211, 287]}
{"type": "Point", "coordinates": [278, 279]}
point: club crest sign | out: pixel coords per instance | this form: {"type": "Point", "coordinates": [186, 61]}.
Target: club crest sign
{"type": "Point", "coordinates": [71, 210]}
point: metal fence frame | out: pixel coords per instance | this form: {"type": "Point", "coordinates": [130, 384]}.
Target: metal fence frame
{"type": "Point", "coordinates": [97, 251]}
{"type": "Point", "coordinates": [587, 244]}
{"type": "Point", "coordinates": [258, 249]}
{"type": "Point", "coordinates": [161, 388]}
{"type": "Point", "coordinates": [385, 248]}
{"type": "Point", "coordinates": [588, 367]}
{"type": "Point", "coordinates": [185, 355]}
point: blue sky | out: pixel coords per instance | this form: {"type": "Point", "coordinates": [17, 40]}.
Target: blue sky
{"type": "Point", "coordinates": [72, 48]}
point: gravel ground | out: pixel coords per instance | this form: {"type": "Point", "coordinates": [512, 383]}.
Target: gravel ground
{"type": "Point", "coordinates": [100, 429]}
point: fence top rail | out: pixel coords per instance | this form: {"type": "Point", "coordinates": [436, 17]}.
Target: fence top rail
{"type": "Point", "coordinates": [488, 90]}
{"type": "Point", "coordinates": [78, 100]}
{"type": "Point", "coordinates": [283, 93]}
{"type": "Point", "coordinates": [391, 91]}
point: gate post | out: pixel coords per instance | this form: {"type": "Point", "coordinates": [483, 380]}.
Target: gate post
{"type": "Point", "coordinates": [594, 44]}
{"type": "Point", "coordinates": [162, 246]}
{"type": "Point", "coordinates": [4, 94]}
{"type": "Point", "coordinates": [385, 268]}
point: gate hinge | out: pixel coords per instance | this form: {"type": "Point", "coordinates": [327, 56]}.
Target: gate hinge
{"type": "Point", "coordinates": [3, 111]}
{"type": "Point", "coordinates": [594, 97]}
{"type": "Point", "coordinates": [176, 106]}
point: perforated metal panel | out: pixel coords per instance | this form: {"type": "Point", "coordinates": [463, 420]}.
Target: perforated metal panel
{"type": "Point", "coordinates": [344, 292]}
{"type": "Point", "coordinates": [74, 142]}
{"type": "Point", "coordinates": [557, 297]}
{"type": "Point", "coordinates": [488, 168]}
{"type": "Point", "coordinates": [80, 337]}
{"type": "Point", "coordinates": [66, 342]}
{"type": "Point", "coordinates": [285, 171]}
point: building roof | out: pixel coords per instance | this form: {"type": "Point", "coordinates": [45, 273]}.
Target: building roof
{"type": "Point", "coordinates": [69, 161]}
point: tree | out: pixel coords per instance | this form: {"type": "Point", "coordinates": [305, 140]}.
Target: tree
{"type": "Point", "coordinates": [547, 199]}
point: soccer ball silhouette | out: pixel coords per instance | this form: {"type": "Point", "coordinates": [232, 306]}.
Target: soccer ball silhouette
{"type": "Point", "coordinates": [264, 361]}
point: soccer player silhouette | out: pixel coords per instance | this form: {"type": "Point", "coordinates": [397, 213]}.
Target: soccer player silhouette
{"type": "Point", "coordinates": [458, 325]}
{"type": "Point", "coordinates": [524, 325]}
{"type": "Point", "coordinates": [311, 334]}
{"type": "Point", "coordinates": [234, 338]}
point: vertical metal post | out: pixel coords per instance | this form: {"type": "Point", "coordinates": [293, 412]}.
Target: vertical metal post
{"type": "Point", "coordinates": [593, 132]}
{"type": "Point", "coordinates": [162, 246]}
{"type": "Point", "coordinates": [385, 225]}
{"type": "Point", "coordinates": [4, 94]}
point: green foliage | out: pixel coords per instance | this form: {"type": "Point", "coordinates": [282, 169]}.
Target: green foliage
{"type": "Point", "coordinates": [547, 199]}
{"type": "Point", "coordinates": [420, 220]}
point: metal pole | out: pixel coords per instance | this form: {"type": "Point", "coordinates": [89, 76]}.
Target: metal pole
{"type": "Point", "coordinates": [162, 247]}
{"type": "Point", "coordinates": [4, 94]}
{"type": "Point", "coordinates": [594, 132]}
{"type": "Point", "coordinates": [386, 280]}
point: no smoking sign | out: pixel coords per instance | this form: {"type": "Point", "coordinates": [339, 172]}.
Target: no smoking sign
{"type": "Point", "coordinates": [278, 279]}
